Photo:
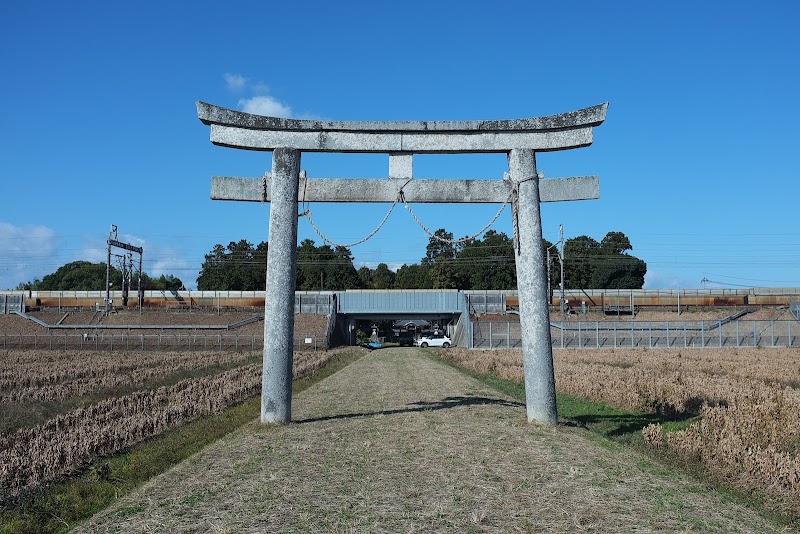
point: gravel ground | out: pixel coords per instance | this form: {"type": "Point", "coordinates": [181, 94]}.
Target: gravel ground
{"type": "Point", "coordinates": [398, 442]}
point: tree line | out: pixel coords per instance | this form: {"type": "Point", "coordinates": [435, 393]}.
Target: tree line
{"type": "Point", "coordinates": [87, 276]}
{"type": "Point", "coordinates": [476, 264]}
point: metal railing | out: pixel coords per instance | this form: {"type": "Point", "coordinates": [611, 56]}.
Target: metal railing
{"type": "Point", "coordinates": [794, 307]}
{"type": "Point", "coordinates": [111, 342]}
{"type": "Point", "coordinates": [645, 334]}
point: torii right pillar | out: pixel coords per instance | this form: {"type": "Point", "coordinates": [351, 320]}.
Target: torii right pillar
{"type": "Point", "coordinates": [534, 313]}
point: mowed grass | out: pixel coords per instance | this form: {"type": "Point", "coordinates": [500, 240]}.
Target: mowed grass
{"type": "Point", "coordinates": [57, 507]}
{"type": "Point", "coordinates": [400, 442]}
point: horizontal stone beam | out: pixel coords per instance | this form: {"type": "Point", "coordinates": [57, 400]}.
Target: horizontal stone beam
{"type": "Point", "coordinates": [413, 143]}
{"type": "Point", "coordinates": [416, 191]}
{"type": "Point", "coordinates": [591, 116]}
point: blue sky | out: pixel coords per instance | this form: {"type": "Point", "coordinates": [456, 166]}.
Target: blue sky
{"type": "Point", "coordinates": [697, 157]}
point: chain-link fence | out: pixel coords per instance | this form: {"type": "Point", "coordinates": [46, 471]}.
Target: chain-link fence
{"type": "Point", "coordinates": [645, 334]}
{"type": "Point", "coordinates": [117, 342]}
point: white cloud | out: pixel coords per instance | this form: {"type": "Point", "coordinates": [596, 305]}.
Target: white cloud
{"type": "Point", "coordinates": [265, 105]}
{"type": "Point", "coordinates": [236, 82]}
{"type": "Point", "coordinates": [655, 280]}
{"type": "Point", "coordinates": [26, 252]}
{"type": "Point", "coordinates": [260, 103]}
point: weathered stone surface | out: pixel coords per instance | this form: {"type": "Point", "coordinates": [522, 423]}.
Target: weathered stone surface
{"type": "Point", "coordinates": [416, 191]}
{"type": "Point", "coordinates": [420, 143]}
{"type": "Point", "coordinates": [276, 385]}
{"type": "Point", "coordinates": [401, 165]}
{"type": "Point", "coordinates": [534, 317]}
{"type": "Point", "coordinates": [591, 116]}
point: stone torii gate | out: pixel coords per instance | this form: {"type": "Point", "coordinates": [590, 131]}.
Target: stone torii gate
{"type": "Point", "coordinates": [286, 186]}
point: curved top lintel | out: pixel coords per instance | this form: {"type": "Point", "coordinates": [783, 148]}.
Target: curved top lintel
{"type": "Point", "coordinates": [591, 116]}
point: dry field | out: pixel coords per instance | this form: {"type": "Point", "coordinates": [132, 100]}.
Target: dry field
{"type": "Point", "coordinates": [746, 402]}
{"type": "Point", "coordinates": [398, 442]}
{"type": "Point", "coordinates": [13, 324]}
{"type": "Point", "coordinates": [60, 410]}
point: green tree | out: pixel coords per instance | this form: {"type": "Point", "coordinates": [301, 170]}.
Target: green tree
{"type": "Point", "coordinates": [383, 277]}
{"type": "Point", "coordinates": [487, 263]}
{"type": "Point", "coordinates": [615, 243]}
{"type": "Point", "coordinates": [325, 268]}
{"type": "Point", "coordinates": [579, 253]}
{"type": "Point", "coordinates": [440, 256]}
{"type": "Point", "coordinates": [365, 277]}
{"type": "Point", "coordinates": [77, 276]}
{"type": "Point", "coordinates": [414, 276]}
{"type": "Point", "coordinates": [237, 267]}
{"type": "Point", "coordinates": [603, 265]}
{"type": "Point", "coordinates": [87, 276]}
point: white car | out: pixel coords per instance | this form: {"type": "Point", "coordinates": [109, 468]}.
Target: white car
{"type": "Point", "coordinates": [436, 340]}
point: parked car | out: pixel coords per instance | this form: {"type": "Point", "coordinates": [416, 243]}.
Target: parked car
{"type": "Point", "coordinates": [436, 340]}
{"type": "Point", "coordinates": [405, 339]}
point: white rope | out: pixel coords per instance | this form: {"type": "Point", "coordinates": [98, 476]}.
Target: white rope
{"type": "Point", "coordinates": [463, 239]}
{"type": "Point", "coordinates": [402, 196]}
{"type": "Point", "coordinates": [307, 215]}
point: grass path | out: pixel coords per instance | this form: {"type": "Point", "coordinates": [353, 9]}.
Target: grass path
{"type": "Point", "coordinates": [398, 442]}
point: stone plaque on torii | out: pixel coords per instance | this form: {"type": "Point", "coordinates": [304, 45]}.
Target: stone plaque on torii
{"type": "Point", "coordinates": [286, 186]}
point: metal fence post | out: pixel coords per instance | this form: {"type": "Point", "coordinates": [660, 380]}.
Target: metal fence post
{"type": "Point", "coordinates": [703, 334]}
{"type": "Point", "coordinates": [755, 334]}
{"type": "Point", "coordinates": [650, 329]}
{"type": "Point", "coordinates": [668, 343]}
{"type": "Point", "coordinates": [684, 335]}
{"type": "Point", "coordinates": [772, 330]}
{"type": "Point", "coordinates": [597, 332]}
{"type": "Point", "coordinates": [615, 334]}
{"type": "Point", "coordinates": [737, 333]}
{"type": "Point", "coordinates": [632, 335]}
{"type": "Point", "coordinates": [490, 336]}
{"type": "Point", "coordinates": [580, 340]}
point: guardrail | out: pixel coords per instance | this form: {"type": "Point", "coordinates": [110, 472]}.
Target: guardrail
{"type": "Point", "coordinates": [644, 334]}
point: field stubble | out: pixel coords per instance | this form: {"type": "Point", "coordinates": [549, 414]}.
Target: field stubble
{"type": "Point", "coordinates": [745, 403]}
{"type": "Point", "coordinates": [67, 441]}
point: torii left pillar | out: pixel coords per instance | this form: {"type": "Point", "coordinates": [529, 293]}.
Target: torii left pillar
{"type": "Point", "coordinates": [276, 384]}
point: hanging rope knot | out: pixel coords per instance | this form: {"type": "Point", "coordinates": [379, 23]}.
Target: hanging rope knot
{"type": "Point", "coordinates": [264, 187]}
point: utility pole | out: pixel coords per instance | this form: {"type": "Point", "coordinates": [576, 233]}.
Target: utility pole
{"type": "Point", "coordinates": [561, 260]}
{"type": "Point", "coordinates": [549, 289]}
{"type": "Point", "coordinates": [112, 235]}
{"type": "Point", "coordinates": [112, 242]}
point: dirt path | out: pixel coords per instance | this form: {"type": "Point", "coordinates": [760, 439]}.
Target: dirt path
{"type": "Point", "coordinates": [398, 442]}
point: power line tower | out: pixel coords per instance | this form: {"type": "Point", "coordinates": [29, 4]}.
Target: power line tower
{"type": "Point", "coordinates": [126, 274]}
